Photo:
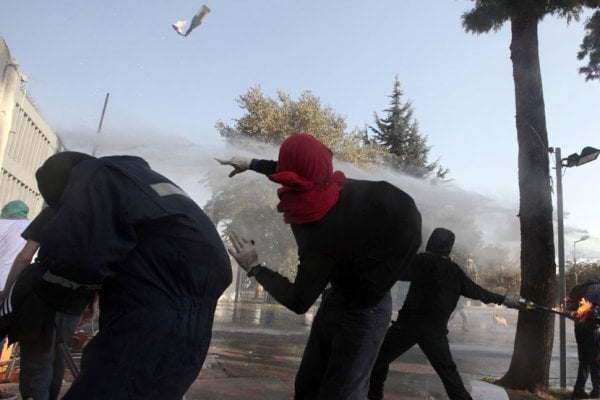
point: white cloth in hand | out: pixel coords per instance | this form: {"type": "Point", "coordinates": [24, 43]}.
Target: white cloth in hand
{"type": "Point", "coordinates": [239, 164]}
{"type": "Point", "coordinates": [243, 251]}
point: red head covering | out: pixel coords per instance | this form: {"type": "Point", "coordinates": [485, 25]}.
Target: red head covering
{"type": "Point", "coordinates": [310, 186]}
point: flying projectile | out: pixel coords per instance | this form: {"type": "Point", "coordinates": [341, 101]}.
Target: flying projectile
{"type": "Point", "coordinates": [196, 21]}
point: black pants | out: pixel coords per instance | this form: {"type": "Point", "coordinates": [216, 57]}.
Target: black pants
{"type": "Point", "coordinates": [145, 353]}
{"type": "Point", "coordinates": [433, 341]}
{"type": "Point", "coordinates": [43, 368]}
{"type": "Point", "coordinates": [341, 350]}
{"type": "Point", "coordinates": [587, 353]}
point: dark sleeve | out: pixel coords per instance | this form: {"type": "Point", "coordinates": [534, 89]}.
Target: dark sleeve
{"type": "Point", "coordinates": [473, 291]}
{"type": "Point", "coordinates": [266, 167]}
{"type": "Point", "coordinates": [421, 269]}
{"type": "Point", "coordinates": [89, 233]}
{"type": "Point", "coordinates": [34, 229]}
{"type": "Point", "coordinates": [313, 275]}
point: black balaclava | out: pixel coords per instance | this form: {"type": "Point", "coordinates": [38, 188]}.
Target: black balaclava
{"type": "Point", "coordinates": [440, 242]}
{"type": "Point", "coordinates": [53, 175]}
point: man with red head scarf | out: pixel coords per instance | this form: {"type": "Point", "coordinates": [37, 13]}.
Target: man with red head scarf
{"type": "Point", "coordinates": [356, 236]}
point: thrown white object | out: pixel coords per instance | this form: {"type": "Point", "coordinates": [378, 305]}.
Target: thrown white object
{"type": "Point", "coordinates": [196, 21]}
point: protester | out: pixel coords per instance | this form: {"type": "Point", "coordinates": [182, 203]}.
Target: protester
{"type": "Point", "coordinates": [357, 236]}
{"type": "Point", "coordinates": [156, 260]}
{"type": "Point", "coordinates": [13, 220]}
{"type": "Point", "coordinates": [41, 331]}
{"type": "Point", "coordinates": [436, 285]}
{"type": "Point", "coordinates": [587, 332]}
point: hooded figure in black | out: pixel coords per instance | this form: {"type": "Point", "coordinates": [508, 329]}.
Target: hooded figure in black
{"type": "Point", "coordinates": [436, 285]}
{"type": "Point", "coordinates": [156, 261]}
{"type": "Point", "coordinates": [587, 330]}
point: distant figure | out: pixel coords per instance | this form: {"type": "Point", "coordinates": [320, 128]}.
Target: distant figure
{"type": "Point", "coordinates": [435, 287]}
{"type": "Point", "coordinates": [40, 330]}
{"type": "Point", "coordinates": [587, 330]}
{"type": "Point", "coordinates": [472, 270]}
{"type": "Point", "coordinates": [460, 310]}
{"type": "Point", "coordinates": [356, 235]}
{"type": "Point", "coordinates": [13, 221]}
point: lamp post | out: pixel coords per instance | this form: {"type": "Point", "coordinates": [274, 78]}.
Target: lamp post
{"type": "Point", "coordinates": [581, 239]}
{"type": "Point", "coordinates": [574, 160]}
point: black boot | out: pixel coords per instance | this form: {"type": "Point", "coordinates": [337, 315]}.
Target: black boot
{"type": "Point", "coordinates": [579, 394]}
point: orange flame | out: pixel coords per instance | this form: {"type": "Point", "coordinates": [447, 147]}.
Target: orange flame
{"type": "Point", "coordinates": [584, 309]}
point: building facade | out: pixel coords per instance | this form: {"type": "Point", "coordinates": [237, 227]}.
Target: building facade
{"type": "Point", "coordinates": [26, 140]}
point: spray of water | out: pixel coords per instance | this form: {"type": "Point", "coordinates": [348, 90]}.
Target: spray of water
{"type": "Point", "coordinates": [476, 219]}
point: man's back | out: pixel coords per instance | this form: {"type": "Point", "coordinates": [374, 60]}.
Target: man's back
{"type": "Point", "coordinates": [119, 218]}
{"type": "Point", "coordinates": [372, 233]}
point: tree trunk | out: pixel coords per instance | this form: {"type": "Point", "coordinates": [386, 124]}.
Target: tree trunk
{"type": "Point", "coordinates": [530, 364]}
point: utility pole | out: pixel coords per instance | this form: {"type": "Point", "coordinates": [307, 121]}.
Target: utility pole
{"type": "Point", "coordinates": [101, 120]}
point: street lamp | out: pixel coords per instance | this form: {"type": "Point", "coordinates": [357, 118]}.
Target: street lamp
{"type": "Point", "coordinates": [581, 239]}
{"type": "Point", "coordinates": [574, 160]}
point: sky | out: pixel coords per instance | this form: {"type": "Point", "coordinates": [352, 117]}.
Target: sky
{"type": "Point", "coordinates": [346, 52]}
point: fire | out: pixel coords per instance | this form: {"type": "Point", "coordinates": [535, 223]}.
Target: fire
{"type": "Point", "coordinates": [584, 308]}
{"type": "Point", "coordinates": [178, 26]}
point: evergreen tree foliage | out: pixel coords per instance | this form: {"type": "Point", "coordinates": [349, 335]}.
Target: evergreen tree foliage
{"type": "Point", "coordinates": [398, 132]}
{"type": "Point", "coordinates": [590, 47]}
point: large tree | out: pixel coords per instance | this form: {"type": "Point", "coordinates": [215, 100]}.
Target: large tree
{"type": "Point", "coordinates": [271, 120]}
{"type": "Point", "coordinates": [530, 364]}
{"type": "Point", "coordinates": [398, 132]}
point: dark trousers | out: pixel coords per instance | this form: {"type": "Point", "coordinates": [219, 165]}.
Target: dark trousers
{"type": "Point", "coordinates": [341, 350]}
{"type": "Point", "coordinates": [145, 353]}
{"type": "Point", "coordinates": [42, 368]}
{"type": "Point", "coordinates": [433, 341]}
{"type": "Point", "coordinates": [587, 352]}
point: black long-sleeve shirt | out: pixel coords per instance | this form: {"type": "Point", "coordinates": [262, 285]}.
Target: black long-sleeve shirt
{"type": "Point", "coordinates": [361, 246]}
{"type": "Point", "coordinates": [436, 285]}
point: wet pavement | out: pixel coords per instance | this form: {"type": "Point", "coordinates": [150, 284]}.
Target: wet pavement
{"type": "Point", "coordinates": [256, 350]}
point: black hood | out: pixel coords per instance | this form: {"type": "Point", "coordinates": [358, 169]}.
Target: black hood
{"type": "Point", "coordinates": [440, 242]}
{"type": "Point", "coordinates": [53, 175]}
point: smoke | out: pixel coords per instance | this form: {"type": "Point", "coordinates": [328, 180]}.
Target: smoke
{"type": "Point", "coordinates": [477, 220]}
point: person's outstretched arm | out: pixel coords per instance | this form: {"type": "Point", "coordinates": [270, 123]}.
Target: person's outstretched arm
{"type": "Point", "coordinates": [242, 164]}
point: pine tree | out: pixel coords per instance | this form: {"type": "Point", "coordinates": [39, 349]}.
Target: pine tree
{"type": "Point", "coordinates": [398, 132]}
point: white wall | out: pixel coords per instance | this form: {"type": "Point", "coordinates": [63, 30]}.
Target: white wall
{"type": "Point", "coordinates": [25, 138]}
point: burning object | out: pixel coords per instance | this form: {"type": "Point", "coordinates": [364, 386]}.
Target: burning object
{"type": "Point", "coordinates": [584, 309]}
{"type": "Point", "coordinates": [196, 21]}
{"type": "Point", "coordinates": [530, 305]}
